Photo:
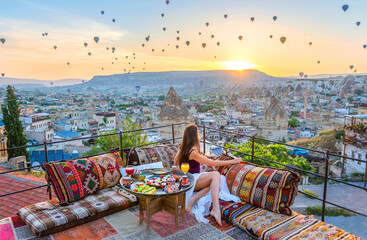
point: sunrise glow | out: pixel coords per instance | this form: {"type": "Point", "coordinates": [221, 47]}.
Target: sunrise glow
{"type": "Point", "coordinates": [238, 65]}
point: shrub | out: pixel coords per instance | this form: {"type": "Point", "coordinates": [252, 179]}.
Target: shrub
{"type": "Point", "coordinates": [333, 212]}
{"type": "Point", "coordinates": [310, 193]}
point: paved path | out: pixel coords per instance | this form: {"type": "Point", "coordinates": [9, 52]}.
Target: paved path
{"type": "Point", "coordinates": [341, 194]}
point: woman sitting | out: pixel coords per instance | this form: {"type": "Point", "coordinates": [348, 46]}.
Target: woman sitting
{"type": "Point", "coordinates": [208, 186]}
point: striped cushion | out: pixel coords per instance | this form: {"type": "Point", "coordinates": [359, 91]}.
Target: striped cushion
{"type": "Point", "coordinates": [268, 188]}
{"type": "Point", "coordinates": [73, 180]}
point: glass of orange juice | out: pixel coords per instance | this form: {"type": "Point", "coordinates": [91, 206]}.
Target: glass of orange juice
{"type": "Point", "coordinates": [185, 167]}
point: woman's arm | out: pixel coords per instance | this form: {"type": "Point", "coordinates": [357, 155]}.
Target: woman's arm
{"type": "Point", "coordinates": [201, 159]}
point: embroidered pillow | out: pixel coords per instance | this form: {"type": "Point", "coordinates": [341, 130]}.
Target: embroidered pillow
{"type": "Point", "coordinates": [269, 188]}
{"type": "Point", "coordinates": [163, 153]}
{"type": "Point", "coordinates": [109, 164]}
{"type": "Point", "coordinates": [73, 180]}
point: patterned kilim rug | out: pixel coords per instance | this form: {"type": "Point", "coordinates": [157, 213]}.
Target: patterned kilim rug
{"type": "Point", "coordinates": [125, 225]}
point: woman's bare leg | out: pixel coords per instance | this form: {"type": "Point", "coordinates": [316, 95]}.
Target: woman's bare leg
{"type": "Point", "coordinates": [196, 197]}
{"type": "Point", "coordinates": [211, 179]}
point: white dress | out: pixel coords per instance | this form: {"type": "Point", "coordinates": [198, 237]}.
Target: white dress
{"type": "Point", "coordinates": [201, 207]}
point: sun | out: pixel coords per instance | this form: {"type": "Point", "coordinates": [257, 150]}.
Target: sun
{"type": "Point", "coordinates": [238, 65]}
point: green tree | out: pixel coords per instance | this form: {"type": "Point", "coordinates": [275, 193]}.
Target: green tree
{"type": "Point", "coordinates": [293, 122]}
{"type": "Point", "coordinates": [13, 126]}
{"type": "Point", "coordinates": [130, 139]}
{"type": "Point", "coordinates": [350, 99]}
{"type": "Point", "coordinates": [295, 113]}
{"type": "Point", "coordinates": [276, 152]}
{"type": "Point", "coordinates": [161, 97]}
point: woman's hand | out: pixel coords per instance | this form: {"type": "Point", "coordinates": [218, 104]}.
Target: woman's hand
{"type": "Point", "coordinates": [236, 160]}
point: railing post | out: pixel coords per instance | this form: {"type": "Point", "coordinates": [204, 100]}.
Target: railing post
{"type": "Point", "coordinates": [253, 149]}
{"type": "Point", "coordinates": [325, 186]}
{"type": "Point", "coordinates": [173, 133]}
{"type": "Point", "coordinates": [365, 175]}
{"type": "Point", "coordinates": [121, 152]}
{"type": "Point", "coordinates": [46, 160]}
{"type": "Point", "coordinates": [204, 137]}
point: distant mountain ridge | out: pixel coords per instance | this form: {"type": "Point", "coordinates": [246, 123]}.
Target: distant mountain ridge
{"type": "Point", "coordinates": [4, 81]}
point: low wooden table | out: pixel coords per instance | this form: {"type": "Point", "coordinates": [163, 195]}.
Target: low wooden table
{"type": "Point", "coordinates": [153, 203]}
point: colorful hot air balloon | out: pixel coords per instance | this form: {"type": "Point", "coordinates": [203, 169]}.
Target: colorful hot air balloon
{"type": "Point", "coordinates": [89, 53]}
{"type": "Point", "coordinates": [240, 37]}
{"type": "Point", "coordinates": [345, 7]}
{"type": "Point", "coordinates": [43, 34]}
{"type": "Point", "coordinates": [153, 50]}
{"type": "Point", "coordinates": [142, 44]}
{"type": "Point", "coordinates": [96, 39]}
{"type": "Point", "coordinates": [2, 40]}
{"type": "Point", "coordinates": [225, 16]}
{"type": "Point", "coordinates": [164, 29]}
{"type": "Point", "coordinates": [351, 66]}
{"type": "Point", "coordinates": [167, 2]}
{"type": "Point", "coordinates": [46, 34]}
{"type": "Point", "coordinates": [305, 76]}
{"type": "Point", "coordinates": [52, 83]}
{"type": "Point", "coordinates": [68, 63]}
{"type": "Point", "coordinates": [147, 38]}
{"type": "Point", "coordinates": [178, 38]}
{"type": "Point", "coordinates": [252, 19]}
{"type": "Point", "coordinates": [116, 59]}
{"type": "Point", "coordinates": [275, 18]}
{"type": "Point", "coordinates": [137, 89]}
{"type": "Point", "coordinates": [162, 14]}
{"type": "Point", "coordinates": [187, 43]}
{"type": "Point", "coordinates": [212, 36]}
{"type": "Point", "coordinates": [102, 12]}
{"type": "Point", "coordinates": [310, 43]}
{"type": "Point", "coordinates": [318, 62]}
{"type": "Point", "coordinates": [283, 39]}
{"type": "Point", "coordinates": [113, 20]}
{"type": "Point", "coordinates": [271, 36]}
{"type": "Point", "coordinates": [199, 33]}
{"type": "Point", "coordinates": [113, 49]}
{"type": "Point", "coordinates": [203, 45]}
{"type": "Point", "coordinates": [218, 43]}
{"type": "Point", "coordinates": [85, 44]}
{"type": "Point", "coordinates": [3, 74]}
{"type": "Point", "coordinates": [162, 50]}
{"type": "Point", "coordinates": [207, 24]}
{"type": "Point", "coordinates": [177, 46]}
{"type": "Point", "coordinates": [301, 74]}
{"type": "Point", "coordinates": [178, 31]}
{"type": "Point", "coordinates": [358, 23]}
{"type": "Point", "coordinates": [55, 47]}
{"type": "Point", "coordinates": [83, 81]}
{"type": "Point", "coordinates": [365, 46]}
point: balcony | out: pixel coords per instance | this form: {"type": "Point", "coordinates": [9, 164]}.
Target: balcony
{"type": "Point", "coordinates": [25, 186]}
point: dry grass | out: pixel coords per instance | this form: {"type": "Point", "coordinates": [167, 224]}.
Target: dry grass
{"type": "Point", "coordinates": [324, 140]}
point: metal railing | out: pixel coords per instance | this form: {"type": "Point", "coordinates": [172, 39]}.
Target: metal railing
{"type": "Point", "coordinates": [121, 149]}
{"type": "Point", "coordinates": [325, 177]}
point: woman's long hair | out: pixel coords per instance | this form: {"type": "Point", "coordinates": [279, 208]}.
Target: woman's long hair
{"type": "Point", "coordinates": [190, 139]}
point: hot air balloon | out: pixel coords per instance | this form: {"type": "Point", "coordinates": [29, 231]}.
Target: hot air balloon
{"type": "Point", "coordinates": [345, 7]}
{"type": "Point", "coordinates": [178, 32]}
{"type": "Point", "coordinates": [275, 18]}
{"type": "Point", "coordinates": [46, 34]}
{"type": "Point", "coordinates": [207, 24]}
{"type": "Point", "coordinates": [102, 12]}
{"type": "Point", "coordinates": [2, 40]}
{"type": "Point", "coordinates": [113, 63]}
{"type": "Point", "coordinates": [142, 44]}
{"type": "Point", "coordinates": [162, 14]}
{"type": "Point", "coordinates": [167, 2]}
{"type": "Point", "coordinates": [187, 43]}
{"type": "Point", "coordinates": [301, 74]}
{"type": "Point", "coordinates": [240, 37]}
{"type": "Point", "coordinates": [351, 66]}
{"type": "Point", "coordinates": [116, 59]}
{"type": "Point", "coordinates": [318, 62]}
{"type": "Point", "coordinates": [203, 45]}
{"type": "Point", "coordinates": [102, 69]}
{"type": "Point", "coordinates": [52, 83]}
{"type": "Point", "coordinates": [113, 20]}
{"type": "Point", "coordinates": [306, 76]}
{"type": "Point", "coordinates": [83, 81]}
{"type": "Point", "coordinates": [3, 74]}
{"type": "Point", "coordinates": [355, 70]}
{"type": "Point", "coordinates": [199, 33]}
{"type": "Point", "coordinates": [283, 39]}
{"type": "Point", "coordinates": [153, 50]}
{"type": "Point", "coordinates": [271, 36]}
{"type": "Point", "coordinates": [68, 63]}
{"type": "Point", "coordinates": [127, 56]}
{"type": "Point", "coordinates": [212, 36]}
{"type": "Point", "coordinates": [96, 39]}
{"type": "Point", "coordinates": [252, 19]}
{"type": "Point", "coordinates": [365, 46]}
{"type": "Point", "coordinates": [225, 16]}
{"type": "Point", "coordinates": [178, 38]}
{"type": "Point", "coordinates": [133, 54]}
{"type": "Point", "coordinates": [218, 43]}
{"type": "Point", "coordinates": [162, 50]}
{"type": "Point", "coordinates": [310, 43]}
{"type": "Point", "coordinates": [43, 34]}
{"type": "Point", "coordinates": [89, 53]}
{"type": "Point", "coordinates": [147, 38]}
{"type": "Point", "coordinates": [137, 89]}
{"type": "Point", "coordinates": [358, 23]}
{"type": "Point", "coordinates": [113, 49]}
{"type": "Point", "coordinates": [177, 46]}
{"type": "Point", "coordinates": [85, 44]}
{"type": "Point", "coordinates": [107, 48]}
{"type": "Point", "coordinates": [69, 90]}
{"type": "Point", "coordinates": [55, 47]}
{"type": "Point", "coordinates": [164, 29]}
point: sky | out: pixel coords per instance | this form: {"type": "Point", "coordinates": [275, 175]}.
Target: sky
{"type": "Point", "coordinates": [337, 41]}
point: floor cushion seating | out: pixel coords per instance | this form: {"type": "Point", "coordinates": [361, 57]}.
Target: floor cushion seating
{"type": "Point", "coordinates": [264, 224]}
{"type": "Point", "coordinates": [49, 217]}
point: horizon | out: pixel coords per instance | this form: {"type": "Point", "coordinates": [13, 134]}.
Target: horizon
{"type": "Point", "coordinates": [337, 42]}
